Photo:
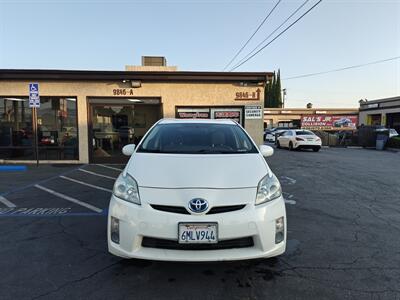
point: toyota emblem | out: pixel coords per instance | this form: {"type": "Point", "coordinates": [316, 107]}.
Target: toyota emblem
{"type": "Point", "coordinates": [198, 205]}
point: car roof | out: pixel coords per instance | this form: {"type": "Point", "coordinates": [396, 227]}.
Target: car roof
{"type": "Point", "coordinates": [191, 121]}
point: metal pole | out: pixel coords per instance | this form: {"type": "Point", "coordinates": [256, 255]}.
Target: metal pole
{"type": "Point", "coordinates": [35, 133]}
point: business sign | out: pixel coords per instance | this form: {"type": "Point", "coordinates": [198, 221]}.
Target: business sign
{"type": "Point", "coordinates": [193, 113]}
{"type": "Point", "coordinates": [329, 122]}
{"type": "Point", "coordinates": [253, 112]}
{"type": "Point", "coordinates": [34, 99]}
{"type": "Point", "coordinates": [228, 114]}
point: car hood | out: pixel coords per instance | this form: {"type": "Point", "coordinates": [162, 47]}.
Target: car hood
{"type": "Point", "coordinates": [197, 171]}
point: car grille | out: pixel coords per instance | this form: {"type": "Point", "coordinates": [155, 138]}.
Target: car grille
{"type": "Point", "coordinates": [149, 242]}
{"type": "Point", "coordinates": [172, 209]}
{"type": "Point", "coordinates": [182, 210]}
{"type": "Point", "coordinates": [224, 209]}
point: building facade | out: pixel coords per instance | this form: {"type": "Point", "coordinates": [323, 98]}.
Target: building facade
{"type": "Point", "coordinates": [385, 112]}
{"type": "Point", "coordinates": [88, 116]}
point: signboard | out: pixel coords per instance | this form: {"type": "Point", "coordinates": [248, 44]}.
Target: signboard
{"type": "Point", "coordinates": [253, 112]}
{"type": "Point", "coordinates": [329, 122]}
{"type": "Point", "coordinates": [226, 113]}
{"type": "Point", "coordinates": [193, 113]}
{"type": "Point", "coordinates": [34, 99]}
{"type": "Point", "coordinates": [248, 96]}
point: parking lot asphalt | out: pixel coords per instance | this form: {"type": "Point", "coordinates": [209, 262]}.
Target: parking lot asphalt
{"type": "Point", "coordinates": [343, 210]}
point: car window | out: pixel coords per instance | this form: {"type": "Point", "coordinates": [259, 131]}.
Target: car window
{"type": "Point", "coordinates": [197, 138]}
{"type": "Point", "coordinates": [304, 132]}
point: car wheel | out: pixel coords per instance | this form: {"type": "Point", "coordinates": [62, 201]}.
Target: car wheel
{"type": "Point", "coordinates": [291, 146]}
{"type": "Point", "coordinates": [316, 149]}
{"type": "Point", "coordinates": [278, 145]}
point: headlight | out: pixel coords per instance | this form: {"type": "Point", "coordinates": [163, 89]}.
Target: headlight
{"type": "Point", "coordinates": [126, 188]}
{"type": "Point", "coordinates": [268, 189]}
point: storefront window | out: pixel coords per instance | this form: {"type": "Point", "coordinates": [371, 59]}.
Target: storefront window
{"type": "Point", "coordinates": [16, 137]}
{"type": "Point", "coordinates": [57, 129]}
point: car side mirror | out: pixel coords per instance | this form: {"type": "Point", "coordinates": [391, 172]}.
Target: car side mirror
{"type": "Point", "coordinates": [128, 149]}
{"type": "Point", "coordinates": [266, 150]}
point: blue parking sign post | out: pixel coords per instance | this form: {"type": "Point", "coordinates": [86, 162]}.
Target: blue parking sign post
{"type": "Point", "coordinates": [34, 103]}
{"type": "Point", "coordinates": [34, 99]}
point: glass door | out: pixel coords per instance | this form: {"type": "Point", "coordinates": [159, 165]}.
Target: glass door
{"type": "Point", "coordinates": [112, 129]}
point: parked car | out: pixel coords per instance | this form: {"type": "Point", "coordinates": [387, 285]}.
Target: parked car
{"type": "Point", "coordinates": [274, 133]}
{"type": "Point", "coordinates": [269, 135]}
{"type": "Point", "coordinates": [299, 139]}
{"type": "Point", "coordinates": [392, 133]}
{"type": "Point", "coordinates": [197, 190]}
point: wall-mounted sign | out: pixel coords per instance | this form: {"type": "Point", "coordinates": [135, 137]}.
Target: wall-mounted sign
{"type": "Point", "coordinates": [227, 113]}
{"type": "Point", "coordinates": [373, 105]}
{"type": "Point", "coordinates": [329, 122]}
{"type": "Point", "coordinates": [122, 92]}
{"type": "Point", "coordinates": [193, 113]}
{"type": "Point", "coordinates": [248, 96]}
{"type": "Point", "coordinates": [253, 112]}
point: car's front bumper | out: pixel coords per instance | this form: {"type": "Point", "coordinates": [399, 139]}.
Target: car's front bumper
{"type": "Point", "coordinates": [139, 221]}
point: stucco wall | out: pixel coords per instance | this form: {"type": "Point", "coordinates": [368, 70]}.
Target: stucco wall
{"type": "Point", "coordinates": [172, 94]}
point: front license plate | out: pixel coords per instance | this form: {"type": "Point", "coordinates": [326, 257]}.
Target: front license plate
{"type": "Point", "coordinates": [197, 233]}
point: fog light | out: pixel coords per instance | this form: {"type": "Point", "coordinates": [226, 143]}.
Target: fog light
{"type": "Point", "coordinates": [279, 230]}
{"type": "Point", "coordinates": [114, 229]}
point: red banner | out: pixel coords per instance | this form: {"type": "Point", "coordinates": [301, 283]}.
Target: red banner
{"type": "Point", "coordinates": [329, 122]}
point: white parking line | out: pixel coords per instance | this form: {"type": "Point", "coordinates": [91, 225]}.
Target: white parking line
{"type": "Point", "coordinates": [68, 198]}
{"type": "Point", "coordinates": [6, 202]}
{"type": "Point", "coordinates": [108, 167]}
{"type": "Point", "coordinates": [97, 174]}
{"type": "Point", "coordinates": [87, 184]}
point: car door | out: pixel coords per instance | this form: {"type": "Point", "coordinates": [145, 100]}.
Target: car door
{"type": "Point", "coordinates": [284, 139]}
{"type": "Point", "coordinates": [289, 137]}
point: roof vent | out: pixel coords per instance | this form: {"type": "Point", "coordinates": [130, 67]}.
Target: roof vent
{"type": "Point", "coordinates": [154, 61]}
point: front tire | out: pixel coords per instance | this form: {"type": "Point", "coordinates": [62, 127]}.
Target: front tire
{"type": "Point", "coordinates": [278, 145]}
{"type": "Point", "coordinates": [291, 146]}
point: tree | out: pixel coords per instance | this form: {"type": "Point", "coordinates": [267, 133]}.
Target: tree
{"type": "Point", "coordinates": [272, 94]}
{"type": "Point", "coordinates": [278, 93]}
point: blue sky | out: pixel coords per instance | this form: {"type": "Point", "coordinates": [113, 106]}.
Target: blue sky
{"type": "Point", "coordinates": [204, 35]}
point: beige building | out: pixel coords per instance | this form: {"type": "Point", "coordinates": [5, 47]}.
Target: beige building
{"type": "Point", "coordinates": [88, 116]}
{"type": "Point", "coordinates": [384, 112]}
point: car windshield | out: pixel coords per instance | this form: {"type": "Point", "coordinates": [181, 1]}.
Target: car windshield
{"type": "Point", "coordinates": [197, 138]}
{"type": "Point", "coordinates": [304, 132]}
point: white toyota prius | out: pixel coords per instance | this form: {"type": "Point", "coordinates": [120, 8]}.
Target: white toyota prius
{"type": "Point", "coordinates": [197, 190]}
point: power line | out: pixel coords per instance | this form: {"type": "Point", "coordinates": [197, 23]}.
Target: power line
{"type": "Point", "coordinates": [282, 32]}
{"type": "Point", "coordinates": [283, 23]}
{"type": "Point", "coordinates": [254, 33]}
{"type": "Point", "coordinates": [344, 68]}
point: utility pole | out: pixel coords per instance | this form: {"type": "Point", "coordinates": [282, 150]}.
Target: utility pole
{"type": "Point", "coordinates": [283, 98]}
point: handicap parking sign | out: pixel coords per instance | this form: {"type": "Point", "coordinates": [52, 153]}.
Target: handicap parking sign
{"type": "Point", "coordinates": [34, 98]}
